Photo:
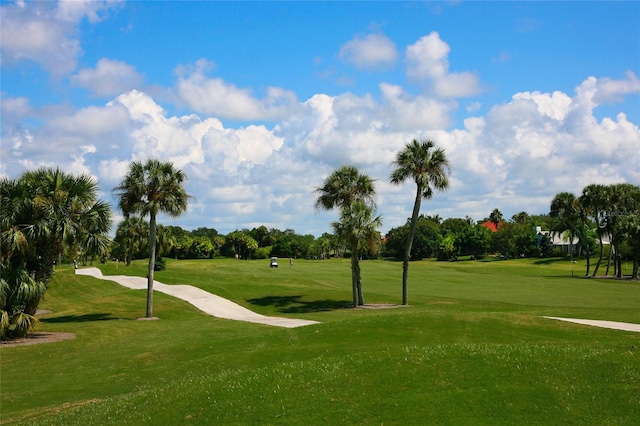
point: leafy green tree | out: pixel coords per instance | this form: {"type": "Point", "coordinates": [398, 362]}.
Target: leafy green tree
{"type": "Point", "coordinates": [262, 235]}
{"type": "Point", "coordinates": [149, 189]}
{"type": "Point", "coordinates": [448, 249]}
{"type": "Point", "coordinates": [358, 228]}
{"type": "Point", "coordinates": [43, 213]}
{"type": "Point", "coordinates": [428, 167]}
{"type": "Point", "coordinates": [200, 248]}
{"type": "Point", "coordinates": [240, 243]}
{"type": "Point", "coordinates": [426, 241]}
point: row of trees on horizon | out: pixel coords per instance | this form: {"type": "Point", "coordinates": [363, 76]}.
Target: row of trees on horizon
{"type": "Point", "coordinates": [48, 215]}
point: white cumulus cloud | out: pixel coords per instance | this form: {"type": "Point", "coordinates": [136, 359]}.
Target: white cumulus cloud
{"type": "Point", "coordinates": [108, 78]}
{"type": "Point", "coordinates": [217, 97]}
{"type": "Point", "coordinates": [428, 60]}
{"type": "Point", "coordinates": [372, 51]}
{"type": "Point", "coordinates": [46, 33]}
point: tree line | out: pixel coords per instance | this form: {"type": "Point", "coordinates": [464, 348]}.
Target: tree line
{"type": "Point", "coordinates": [49, 215]}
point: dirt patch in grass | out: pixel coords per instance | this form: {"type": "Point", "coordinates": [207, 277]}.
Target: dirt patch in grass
{"type": "Point", "coordinates": [37, 338]}
{"type": "Point", "coordinates": [379, 306]}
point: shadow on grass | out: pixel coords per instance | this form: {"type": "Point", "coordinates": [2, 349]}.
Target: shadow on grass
{"type": "Point", "coordinates": [551, 260]}
{"type": "Point", "coordinates": [294, 304]}
{"type": "Point", "coordinates": [79, 318]}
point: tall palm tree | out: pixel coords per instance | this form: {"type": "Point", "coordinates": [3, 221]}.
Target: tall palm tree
{"type": "Point", "coordinates": [150, 189]}
{"type": "Point", "coordinates": [428, 166]}
{"type": "Point", "coordinates": [594, 201]}
{"type": "Point", "coordinates": [343, 189]}
{"type": "Point", "coordinates": [358, 228]}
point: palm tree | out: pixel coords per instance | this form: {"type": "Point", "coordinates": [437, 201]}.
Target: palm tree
{"type": "Point", "coordinates": [343, 187]}
{"type": "Point", "coordinates": [149, 189]}
{"type": "Point", "coordinates": [496, 217]}
{"type": "Point", "coordinates": [132, 236]}
{"type": "Point", "coordinates": [622, 214]}
{"type": "Point", "coordinates": [358, 228]}
{"type": "Point", "coordinates": [594, 201]}
{"type": "Point", "coordinates": [570, 217]}
{"type": "Point", "coordinates": [428, 166]}
{"type": "Point", "coordinates": [42, 213]}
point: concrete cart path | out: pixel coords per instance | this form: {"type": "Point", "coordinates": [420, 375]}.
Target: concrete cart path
{"type": "Point", "coordinates": [626, 326]}
{"type": "Point", "coordinates": [209, 303]}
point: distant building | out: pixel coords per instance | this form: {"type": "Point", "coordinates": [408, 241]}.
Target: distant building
{"type": "Point", "coordinates": [562, 241]}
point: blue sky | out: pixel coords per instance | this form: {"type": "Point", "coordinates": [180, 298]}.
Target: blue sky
{"type": "Point", "coordinates": [259, 101]}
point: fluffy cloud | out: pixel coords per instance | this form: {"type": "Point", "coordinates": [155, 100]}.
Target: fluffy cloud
{"type": "Point", "coordinates": [215, 96]}
{"type": "Point", "coordinates": [428, 60]}
{"type": "Point", "coordinates": [516, 157]}
{"type": "Point", "coordinates": [373, 51]}
{"type": "Point", "coordinates": [45, 32]}
{"type": "Point", "coordinates": [14, 109]}
{"type": "Point", "coordinates": [108, 78]}
{"type": "Point", "coordinates": [525, 151]}
{"type": "Point", "coordinates": [360, 129]}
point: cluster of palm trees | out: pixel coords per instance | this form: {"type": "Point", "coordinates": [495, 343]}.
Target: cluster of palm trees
{"type": "Point", "coordinates": [611, 211]}
{"type": "Point", "coordinates": [353, 193]}
{"type": "Point", "coordinates": [44, 213]}
{"type": "Point", "coordinates": [48, 212]}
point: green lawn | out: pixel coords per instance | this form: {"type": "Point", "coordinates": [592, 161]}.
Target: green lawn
{"type": "Point", "coordinates": [471, 348]}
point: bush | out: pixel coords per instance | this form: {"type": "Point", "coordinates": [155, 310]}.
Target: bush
{"type": "Point", "coordinates": [262, 253]}
{"type": "Point", "coordinates": [160, 265]}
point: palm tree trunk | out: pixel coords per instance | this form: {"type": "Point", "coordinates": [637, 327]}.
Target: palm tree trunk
{"type": "Point", "coordinates": [595, 270]}
{"type": "Point", "coordinates": [354, 280]}
{"type": "Point", "coordinates": [152, 264]}
{"type": "Point", "coordinates": [611, 248]}
{"type": "Point", "coordinates": [407, 249]}
{"type": "Point", "coordinates": [588, 262]}
{"type": "Point", "coordinates": [618, 263]}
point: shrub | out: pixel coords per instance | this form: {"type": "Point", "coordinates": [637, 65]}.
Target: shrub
{"type": "Point", "coordinates": [160, 265]}
{"type": "Point", "coordinates": [262, 253]}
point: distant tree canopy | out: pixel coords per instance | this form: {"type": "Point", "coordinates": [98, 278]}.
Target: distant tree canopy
{"type": "Point", "coordinates": [447, 239]}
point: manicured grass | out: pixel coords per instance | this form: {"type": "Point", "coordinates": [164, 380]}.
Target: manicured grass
{"type": "Point", "coordinates": [471, 348]}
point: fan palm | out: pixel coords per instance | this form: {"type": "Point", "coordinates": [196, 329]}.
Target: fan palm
{"type": "Point", "coordinates": [344, 186]}
{"type": "Point", "coordinates": [594, 200]}
{"type": "Point", "coordinates": [358, 228]}
{"type": "Point", "coordinates": [354, 194]}
{"type": "Point", "coordinates": [42, 212]}
{"type": "Point", "coordinates": [428, 166]}
{"type": "Point", "coordinates": [150, 189]}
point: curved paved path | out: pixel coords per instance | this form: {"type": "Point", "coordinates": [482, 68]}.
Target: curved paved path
{"type": "Point", "coordinates": [209, 303]}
